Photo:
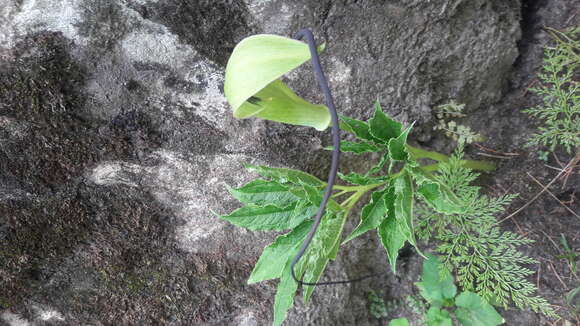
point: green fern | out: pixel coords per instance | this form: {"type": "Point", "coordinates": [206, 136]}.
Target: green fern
{"type": "Point", "coordinates": [453, 130]}
{"type": "Point", "coordinates": [560, 111]}
{"type": "Point", "coordinates": [485, 259]}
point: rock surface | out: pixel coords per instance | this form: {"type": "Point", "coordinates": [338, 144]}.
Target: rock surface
{"type": "Point", "coordinates": [116, 144]}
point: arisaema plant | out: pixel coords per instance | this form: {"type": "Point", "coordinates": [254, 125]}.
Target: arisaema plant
{"type": "Point", "coordinates": [288, 200]}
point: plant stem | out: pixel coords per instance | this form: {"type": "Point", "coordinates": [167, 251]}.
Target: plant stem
{"type": "Point", "coordinates": [360, 190]}
{"type": "Point", "coordinates": [478, 165]}
{"type": "Point", "coordinates": [421, 153]}
{"type": "Point", "coordinates": [470, 164]}
{"type": "Point", "coordinates": [364, 188]}
{"type": "Point", "coordinates": [441, 158]}
{"type": "Point", "coordinates": [349, 203]}
{"type": "Point", "coordinates": [348, 200]}
{"type": "Point", "coordinates": [342, 192]}
{"type": "Point", "coordinates": [355, 199]}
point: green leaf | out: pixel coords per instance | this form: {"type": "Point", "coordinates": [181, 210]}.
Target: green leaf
{"type": "Point", "coordinates": [355, 178]}
{"type": "Point", "coordinates": [377, 168]}
{"type": "Point", "coordinates": [575, 293]}
{"type": "Point", "coordinates": [397, 146]}
{"type": "Point", "coordinates": [436, 283]}
{"type": "Point", "coordinates": [418, 175]}
{"type": "Point", "coordinates": [252, 87]}
{"type": "Point", "coordinates": [390, 232]}
{"type": "Point", "coordinates": [314, 196]}
{"type": "Point", "coordinates": [404, 206]}
{"type": "Point", "coordinates": [399, 322]}
{"type": "Point", "coordinates": [392, 239]}
{"type": "Point", "coordinates": [286, 291]}
{"type": "Point", "coordinates": [474, 311]}
{"type": "Point", "coordinates": [382, 127]}
{"type": "Point", "coordinates": [334, 252]}
{"type": "Point", "coordinates": [372, 215]}
{"type": "Point", "coordinates": [261, 192]}
{"type": "Point", "coordinates": [438, 199]}
{"type": "Point", "coordinates": [358, 128]}
{"type": "Point", "coordinates": [435, 194]}
{"type": "Point", "coordinates": [305, 209]}
{"type": "Point", "coordinates": [357, 148]}
{"type": "Point", "coordinates": [321, 249]}
{"type": "Point", "coordinates": [270, 217]}
{"type": "Point", "coordinates": [438, 317]}
{"type": "Point", "coordinates": [359, 179]}
{"type": "Point", "coordinates": [284, 175]}
{"type": "Point", "coordinates": [274, 257]}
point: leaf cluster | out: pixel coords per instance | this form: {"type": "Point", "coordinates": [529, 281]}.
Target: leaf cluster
{"type": "Point", "coordinates": [559, 114]}
{"type": "Point", "coordinates": [286, 199]}
{"type": "Point", "coordinates": [390, 210]}
{"type": "Point", "coordinates": [485, 258]}
{"type": "Point", "coordinates": [437, 288]}
{"type": "Point", "coordinates": [452, 212]}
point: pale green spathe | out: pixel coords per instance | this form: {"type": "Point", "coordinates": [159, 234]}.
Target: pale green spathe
{"type": "Point", "coordinates": [252, 73]}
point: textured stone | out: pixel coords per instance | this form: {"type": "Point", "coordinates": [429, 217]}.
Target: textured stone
{"type": "Point", "coordinates": [116, 144]}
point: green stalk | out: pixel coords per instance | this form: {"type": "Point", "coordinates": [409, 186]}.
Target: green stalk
{"type": "Point", "coordinates": [349, 199]}
{"type": "Point", "coordinates": [340, 193]}
{"type": "Point", "coordinates": [364, 188]}
{"type": "Point", "coordinates": [421, 153]}
{"type": "Point", "coordinates": [478, 165]}
{"type": "Point", "coordinates": [358, 192]}
{"type": "Point", "coordinates": [470, 164]}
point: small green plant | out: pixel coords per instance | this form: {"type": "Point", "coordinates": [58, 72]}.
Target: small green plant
{"type": "Point", "coordinates": [573, 299]}
{"type": "Point", "coordinates": [378, 308]}
{"type": "Point", "coordinates": [287, 199]}
{"type": "Point", "coordinates": [437, 288]}
{"type": "Point", "coordinates": [485, 258]}
{"type": "Point", "coordinates": [543, 155]}
{"type": "Point", "coordinates": [416, 304]}
{"type": "Point", "coordinates": [570, 255]}
{"type": "Point", "coordinates": [453, 130]}
{"type": "Point", "coordinates": [559, 114]}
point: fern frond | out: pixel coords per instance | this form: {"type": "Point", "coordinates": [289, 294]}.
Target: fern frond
{"type": "Point", "coordinates": [485, 259]}
{"type": "Point", "coordinates": [560, 93]}
{"type": "Point", "coordinates": [458, 132]}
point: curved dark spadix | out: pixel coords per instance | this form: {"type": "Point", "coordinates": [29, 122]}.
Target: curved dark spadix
{"type": "Point", "coordinates": [323, 83]}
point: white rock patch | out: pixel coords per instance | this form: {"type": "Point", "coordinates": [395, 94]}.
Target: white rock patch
{"type": "Point", "coordinates": [13, 319]}
{"type": "Point", "coordinates": [46, 15]}
{"type": "Point", "coordinates": [155, 47]}
{"type": "Point", "coordinates": [48, 315]}
{"type": "Point", "coordinates": [40, 314]}
{"type": "Point", "coordinates": [183, 185]}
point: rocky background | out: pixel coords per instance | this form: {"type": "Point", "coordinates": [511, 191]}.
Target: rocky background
{"type": "Point", "coordinates": [116, 144]}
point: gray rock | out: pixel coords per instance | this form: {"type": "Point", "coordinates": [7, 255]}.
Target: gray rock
{"type": "Point", "coordinates": [411, 55]}
{"type": "Point", "coordinates": [117, 144]}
